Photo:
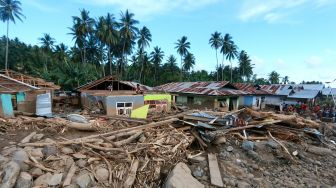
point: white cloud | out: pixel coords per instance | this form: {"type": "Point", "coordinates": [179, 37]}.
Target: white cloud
{"type": "Point", "coordinates": [313, 61]}
{"type": "Point", "coordinates": [145, 8]}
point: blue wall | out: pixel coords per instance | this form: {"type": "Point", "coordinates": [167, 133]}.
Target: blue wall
{"type": "Point", "coordinates": [248, 100]}
{"type": "Point", "coordinates": [7, 106]}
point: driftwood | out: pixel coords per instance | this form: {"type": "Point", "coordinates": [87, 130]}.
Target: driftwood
{"type": "Point", "coordinates": [141, 127]}
{"type": "Point", "coordinates": [121, 135]}
{"type": "Point", "coordinates": [293, 120]}
{"type": "Point", "coordinates": [38, 165]}
{"type": "Point", "coordinates": [128, 140]}
{"type": "Point", "coordinates": [70, 174]}
{"type": "Point", "coordinates": [286, 150]}
{"type": "Point", "coordinates": [28, 138]}
{"type": "Point", "coordinates": [132, 174]}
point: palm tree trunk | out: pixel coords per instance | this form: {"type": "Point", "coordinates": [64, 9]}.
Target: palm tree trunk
{"type": "Point", "coordinates": [6, 61]}
{"type": "Point", "coordinates": [223, 68]}
{"type": "Point", "coordinates": [217, 65]}
{"type": "Point", "coordinates": [155, 81]}
{"type": "Point", "coordinates": [110, 60]}
{"type": "Point", "coordinates": [102, 60]}
{"type": "Point", "coordinates": [231, 71]}
{"type": "Point", "coordinates": [123, 56]}
{"type": "Point", "coordinates": [181, 75]}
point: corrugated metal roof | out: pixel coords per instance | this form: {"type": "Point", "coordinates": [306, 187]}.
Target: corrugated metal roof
{"type": "Point", "coordinates": [318, 87]}
{"type": "Point", "coordinates": [200, 88]}
{"type": "Point", "coordinates": [251, 89]}
{"type": "Point", "coordinates": [304, 94]}
{"type": "Point", "coordinates": [134, 84]}
{"type": "Point", "coordinates": [277, 89]}
{"type": "Point", "coordinates": [329, 91]}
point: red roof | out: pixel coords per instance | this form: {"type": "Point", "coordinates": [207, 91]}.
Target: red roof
{"type": "Point", "coordinates": [251, 89]}
{"type": "Point", "coordinates": [201, 88]}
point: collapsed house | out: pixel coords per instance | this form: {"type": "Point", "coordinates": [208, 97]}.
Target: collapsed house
{"type": "Point", "coordinates": [255, 97]}
{"type": "Point", "coordinates": [116, 97]}
{"type": "Point", "coordinates": [25, 94]}
{"type": "Point", "coordinates": [202, 95]}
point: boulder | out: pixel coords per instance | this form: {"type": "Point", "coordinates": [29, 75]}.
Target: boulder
{"type": "Point", "coordinates": [37, 153]}
{"type": "Point", "coordinates": [43, 180]}
{"type": "Point", "coordinates": [56, 179]}
{"type": "Point", "coordinates": [319, 151]}
{"type": "Point", "coordinates": [49, 150]}
{"type": "Point", "coordinates": [83, 181]}
{"type": "Point", "coordinates": [102, 174]}
{"type": "Point", "coordinates": [66, 150]}
{"type": "Point", "coordinates": [38, 137]}
{"type": "Point", "coordinates": [11, 171]}
{"type": "Point", "coordinates": [20, 156]}
{"type": "Point", "coordinates": [181, 176]}
{"type": "Point", "coordinates": [248, 145]}
{"type": "Point", "coordinates": [25, 180]}
{"type": "Point", "coordinates": [36, 172]}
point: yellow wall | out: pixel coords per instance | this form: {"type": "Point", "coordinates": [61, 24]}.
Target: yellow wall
{"type": "Point", "coordinates": [158, 97]}
{"type": "Point", "coordinates": [140, 113]}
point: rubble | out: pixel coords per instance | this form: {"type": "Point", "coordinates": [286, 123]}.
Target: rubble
{"type": "Point", "coordinates": [191, 149]}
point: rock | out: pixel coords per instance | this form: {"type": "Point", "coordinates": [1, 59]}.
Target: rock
{"type": "Point", "coordinates": [220, 140]}
{"type": "Point", "coordinates": [3, 160]}
{"type": "Point", "coordinates": [36, 172]}
{"type": "Point", "coordinates": [102, 174]}
{"type": "Point", "coordinates": [79, 156]}
{"type": "Point", "coordinates": [248, 145]}
{"type": "Point", "coordinates": [319, 150]}
{"type": "Point", "coordinates": [254, 155]}
{"type": "Point", "coordinates": [272, 144]}
{"type": "Point", "coordinates": [38, 137]}
{"type": "Point", "coordinates": [8, 150]}
{"type": "Point", "coordinates": [198, 172]}
{"type": "Point", "coordinates": [72, 186]}
{"type": "Point", "coordinates": [81, 163]}
{"type": "Point", "coordinates": [43, 180]}
{"type": "Point", "coordinates": [20, 156]}
{"type": "Point", "coordinates": [229, 149]}
{"type": "Point", "coordinates": [242, 184]}
{"type": "Point", "coordinates": [48, 140]}
{"type": "Point", "coordinates": [24, 180]}
{"type": "Point", "coordinates": [77, 118]}
{"type": "Point", "coordinates": [56, 179]}
{"type": "Point", "coordinates": [142, 139]}
{"type": "Point", "coordinates": [83, 181]}
{"type": "Point", "coordinates": [10, 174]}
{"type": "Point", "coordinates": [37, 153]}
{"type": "Point", "coordinates": [181, 176]}
{"type": "Point", "coordinates": [67, 150]}
{"type": "Point", "coordinates": [49, 150]}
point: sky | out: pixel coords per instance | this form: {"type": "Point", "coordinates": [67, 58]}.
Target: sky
{"type": "Point", "coordinates": [296, 38]}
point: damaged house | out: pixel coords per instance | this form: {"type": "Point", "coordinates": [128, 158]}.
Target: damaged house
{"type": "Point", "coordinates": [112, 96]}
{"type": "Point", "coordinates": [255, 97]}
{"type": "Point", "coordinates": [23, 93]}
{"type": "Point", "coordinates": [202, 95]}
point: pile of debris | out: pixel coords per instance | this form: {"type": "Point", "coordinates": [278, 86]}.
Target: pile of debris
{"type": "Point", "coordinates": [191, 149]}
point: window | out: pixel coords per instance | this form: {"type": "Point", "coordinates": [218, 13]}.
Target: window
{"type": "Point", "coordinates": [158, 105]}
{"type": "Point", "coordinates": [124, 108]}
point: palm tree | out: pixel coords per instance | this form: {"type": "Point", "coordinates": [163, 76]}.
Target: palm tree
{"type": "Point", "coordinates": [107, 33]}
{"type": "Point", "coordinates": [215, 42]}
{"type": "Point", "coordinates": [171, 61]}
{"type": "Point", "coordinates": [47, 44]}
{"type": "Point", "coordinates": [189, 61]}
{"type": "Point", "coordinates": [274, 77]}
{"type": "Point", "coordinates": [128, 32]}
{"type": "Point", "coordinates": [229, 50]}
{"type": "Point", "coordinates": [61, 52]}
{"type": "Point", "coordinates": [182, 46]}
{"type": "Point", "coordinates": [9, 10]}
{"type": "Point", "coordinates": [156, 57]}
{"type": "Point", "coordinates": [83, 26]}
{"type": "Point", "coordinates": [285, 79]}
{"type": "Point", "coordinates": [144, 38]}
{"type": "Point", "coordinates": [245, 64]}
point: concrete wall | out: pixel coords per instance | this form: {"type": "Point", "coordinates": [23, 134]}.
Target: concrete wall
{"type": "Point", "coordinates": [111, 102]}
{"type": "Point", "coordinates": [159, 97]}
{"type": "Point", "coordinates": [273, 100]}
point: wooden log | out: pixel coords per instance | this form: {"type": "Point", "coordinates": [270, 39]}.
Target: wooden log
{"type": "Point", "coordinates": [141, 127]}
{"type": "Point", "coordinates": [286, 150]}
{"type": "Point", "coordinates": [215, 176]}
{"type": "Point", "coordinates": [200, 141]}
{"type": "Point", "coordinates": [70, 174]}
{"type": "Point", "coordinates": [104, 148]}
{"type": "Point", "coordinates": [28, 138]}
{"type": "Point", "coordinates": [38, 165]}
{"type": "Point", "coordinates": [121, 135]}
{"type": "Point", "coordinates": [128, 140]}
{"type": "Point", "coordinates": [132, 174]}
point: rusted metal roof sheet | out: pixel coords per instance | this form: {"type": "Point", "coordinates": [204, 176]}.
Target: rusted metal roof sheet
{"type": "Point", "coordinates": [200, 88]}
{"type": "Point", "coordinates": [134, 84]}
{"type": "Point", "coordinates": [251, 89]}
{"type": "Point", "coordinates": [277, 89]}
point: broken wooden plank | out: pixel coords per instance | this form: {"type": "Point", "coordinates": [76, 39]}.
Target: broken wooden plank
{"type": "Point", "coordinates": [28, 138]}
{"type": "Point", "coordinates": [132, 174]}
{"type": "Point", "coordinates": [70, 174]}
{"type": "Point", "coordinates": [215, 176]}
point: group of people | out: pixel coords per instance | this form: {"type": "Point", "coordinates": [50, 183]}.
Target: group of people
{"type": "Point", "coordinates": [327, 111]}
